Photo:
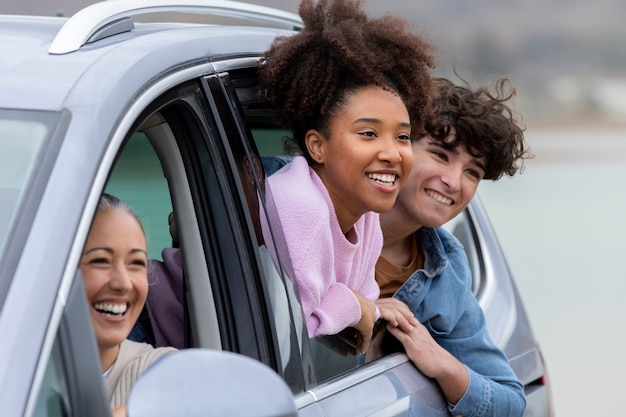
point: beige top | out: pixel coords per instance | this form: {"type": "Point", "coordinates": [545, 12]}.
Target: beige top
{"type": "Point", "coordinates": [133, 359]}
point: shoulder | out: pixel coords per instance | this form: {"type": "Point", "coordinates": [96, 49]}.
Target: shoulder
{"type": "Point", "coordinates": [297, 191]}
{"type": "Point", "coordinates": [141, 355]}
{"type": "Point", "coordinates": [271, 164]}
{"type": "Point", "coordinates": [447, 238]}
{"type": "Point", "coordinates": [447, 257]}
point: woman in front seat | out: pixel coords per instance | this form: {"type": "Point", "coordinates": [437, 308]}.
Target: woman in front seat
{"type": "Point", "coordinates": [114, 269]}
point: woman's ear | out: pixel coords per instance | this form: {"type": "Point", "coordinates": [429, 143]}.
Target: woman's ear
{"type": "Point", "coordinates": [315, 145]}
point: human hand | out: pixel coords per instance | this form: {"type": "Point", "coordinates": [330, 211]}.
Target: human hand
{"type": "Point", "coordinates": [374, 350]}
{"type": "Point", "coordinates": [396, 313]}
{"type": "Point", "coordinates": [119, 411]}
{"type": "Point", "coordinates": [434, 361]}
{"type": "Point", "coordinates": [365, 325]}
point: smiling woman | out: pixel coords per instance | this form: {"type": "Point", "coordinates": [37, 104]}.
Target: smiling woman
{"type": "Point", "coordinates": [114, 269]}
{"type": "Point", "coordinates": [351, 117]}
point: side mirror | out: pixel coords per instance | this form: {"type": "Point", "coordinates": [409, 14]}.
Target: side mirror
{"type": "Point", "coordinates": [202, 382]}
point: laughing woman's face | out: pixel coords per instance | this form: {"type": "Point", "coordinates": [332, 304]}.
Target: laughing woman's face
{"type": "Point", "coordinates": [114, 268]}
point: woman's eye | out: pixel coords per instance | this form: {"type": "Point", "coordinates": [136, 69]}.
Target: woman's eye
{"type": "Point", "coordinates": [99, 261]}
{"type": "Point", "coordinates": [404, 137]}
{"type": "Point", "coordinates": [139, 262]}
{"type": "Point", "coordinates": [369, 134]}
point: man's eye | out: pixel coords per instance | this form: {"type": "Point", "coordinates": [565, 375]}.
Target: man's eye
{"type": "Point", "coordinates": [474, 173]}
{"type": "Point", "coordinates": [440, 155]}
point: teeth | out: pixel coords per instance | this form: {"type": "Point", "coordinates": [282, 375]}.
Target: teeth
{"type": "Point", "coordinates": [439, 197]}
{"type": "Point", "coordinates": [386, 179]}
{"type": "Point", "coordinates": [109, 308]}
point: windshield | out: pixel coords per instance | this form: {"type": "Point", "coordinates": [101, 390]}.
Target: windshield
{"type": "Point", "coordinates": [22, 135]}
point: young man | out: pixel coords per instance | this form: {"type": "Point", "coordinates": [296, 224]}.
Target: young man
{"type": "Point", "coordinates": [472, 137]}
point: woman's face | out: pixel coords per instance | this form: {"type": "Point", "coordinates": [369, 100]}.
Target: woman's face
{"type": "Point", "coordinates": [367, 157]}
{"type": "Point", "coordinates": [114, 268]}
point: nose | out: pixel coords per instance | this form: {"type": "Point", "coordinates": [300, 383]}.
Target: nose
{"type": "Point", "coordinates": [390, 151]}
{"type": "Point", "coordinates": [451, 177]}
{"type": "Point", "coordinates": [120, 280]}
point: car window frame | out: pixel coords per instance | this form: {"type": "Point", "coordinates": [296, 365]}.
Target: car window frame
{"type": "Point", "coordinates": [74, 352]}
{"type": "Point", "coordinates": [239, 88]}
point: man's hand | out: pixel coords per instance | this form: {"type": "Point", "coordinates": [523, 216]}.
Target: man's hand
{"type": "Point", "coordinates": [397, 314]}
{"type": "Point", "coordinates": [434, 361]}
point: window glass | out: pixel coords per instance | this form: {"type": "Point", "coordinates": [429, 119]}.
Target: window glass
{"type": "Point", "coordinates": [138, 180]}
{"type": "Point", "coordinates": [22, 135]}
{"type": "Point", "coordinates": [330, 356]}
{"type": "Point", "coordinates": [53, 396]}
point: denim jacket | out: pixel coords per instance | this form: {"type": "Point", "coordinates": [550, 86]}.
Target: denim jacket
{"type": "Point", "coordinates": [440, 295]}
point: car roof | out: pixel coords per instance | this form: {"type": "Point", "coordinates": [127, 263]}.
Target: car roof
{"type": "Point", "coordinates": [39, 68]}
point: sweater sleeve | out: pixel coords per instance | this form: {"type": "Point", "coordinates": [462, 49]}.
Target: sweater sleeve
{"type": "Point", "coordinates": [337, 309]}
{"type": "Point", "coordinates": [329, 305]}
{"type": "Point", "coordinates": [302, 225]}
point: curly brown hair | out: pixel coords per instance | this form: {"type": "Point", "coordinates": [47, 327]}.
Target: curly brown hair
{"type": "Point", "coordinates": [483, 122]}
{"type": "Point", "coordinates": [306, 77]}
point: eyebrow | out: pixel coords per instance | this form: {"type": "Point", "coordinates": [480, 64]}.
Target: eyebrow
{"type": "Point", "coordinates": [479, 165]}
{"type": "Point", "coordinates": [111, 251]}
{"type": "Point", "coordinates": [474, 161]}
{"type": "Point", "coordinates": [378, 121]}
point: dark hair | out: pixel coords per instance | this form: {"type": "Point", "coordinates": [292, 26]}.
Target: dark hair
{"type": "Point", "coordinates": [110, 202]}
{"type": "Point", "coordinates": [307, 76]}
{"type": "Point", "coordinates": [484, 124]}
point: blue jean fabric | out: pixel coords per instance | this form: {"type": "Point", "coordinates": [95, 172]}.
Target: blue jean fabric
{"type": "Point", "coordinates": [440, 295]}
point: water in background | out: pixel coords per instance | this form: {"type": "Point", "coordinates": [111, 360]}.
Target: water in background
{"type": "Point", "coordinates": [562, 224]}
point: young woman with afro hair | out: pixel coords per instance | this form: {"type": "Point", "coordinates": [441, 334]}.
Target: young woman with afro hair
{"type": "Point", "coordinates": [353, 91]}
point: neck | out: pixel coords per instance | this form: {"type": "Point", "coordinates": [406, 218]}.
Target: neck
{"type": "Point", "coordinates": [108, 356]}
{"type": "Point", "coordinates": [397, 239]}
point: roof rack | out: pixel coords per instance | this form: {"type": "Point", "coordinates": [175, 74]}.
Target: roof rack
{"type": "Point", "coordinates": [113, 16]}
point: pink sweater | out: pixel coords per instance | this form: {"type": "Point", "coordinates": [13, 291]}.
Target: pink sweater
{"type": "Point", "coordinates": [326, 264]}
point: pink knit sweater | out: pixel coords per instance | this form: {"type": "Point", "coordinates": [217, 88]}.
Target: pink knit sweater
{"type": "Point", "coordinates": [326, 264]}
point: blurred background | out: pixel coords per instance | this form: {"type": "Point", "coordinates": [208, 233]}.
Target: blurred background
{"type": "Point", "coordinates": [561, 222]}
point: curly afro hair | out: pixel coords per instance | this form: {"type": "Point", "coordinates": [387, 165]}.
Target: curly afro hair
{"type": "Point", "coordinates": [306, 77]}
{"type": "Point", "coordinates": [483, 123]}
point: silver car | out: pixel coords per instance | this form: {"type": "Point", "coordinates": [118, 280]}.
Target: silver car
{"type": "Point", "coordinates": [165, 115]}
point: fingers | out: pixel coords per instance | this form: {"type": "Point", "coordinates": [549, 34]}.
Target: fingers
{"type": "Point", "coordinates": [398, 333]}
{"type": "Point", "coordinates": [397, 313]}
{"type": "Point", "coordinates": [363, 341]}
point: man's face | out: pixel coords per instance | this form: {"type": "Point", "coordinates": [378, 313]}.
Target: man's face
{"type": "Point", "coordinates": [441, 184]}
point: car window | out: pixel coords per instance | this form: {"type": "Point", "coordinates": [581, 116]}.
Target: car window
{"type": "Point", "coordinates": [52, 400]}
{"type": "Point", "coordinates": [71, 380]}
{"type": "Point", "coordinates": [138, 179]}
{"type": "Point", "coordinates": [275, 291]}
{"type": "Point", "coordinates": [26, 150]}
{"type": "Point", "coordinates": [150, 174]}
